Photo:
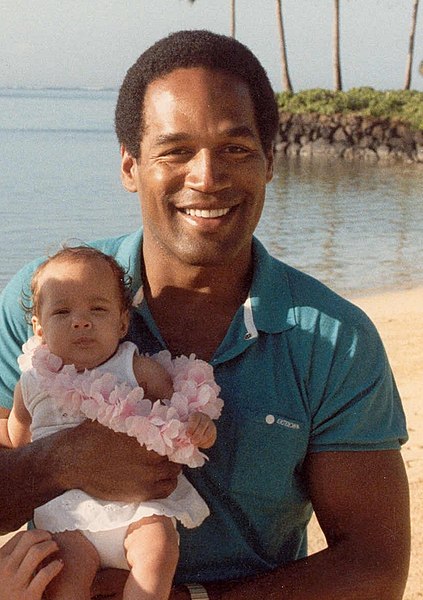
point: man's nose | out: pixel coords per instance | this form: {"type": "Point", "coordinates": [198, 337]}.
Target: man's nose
{"type": "Point", "coordinates": [207, 173]}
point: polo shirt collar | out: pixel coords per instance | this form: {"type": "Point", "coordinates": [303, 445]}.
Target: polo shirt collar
{"type": "Point", "coordinates": [270, 294]}
{"type": "Point", "coordinates": [268, 307]}
{"type": "Point", "coordinates": [129, 256]}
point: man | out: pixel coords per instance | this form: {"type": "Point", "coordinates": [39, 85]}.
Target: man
{"type": "Point", "coordinates": [312, 416]}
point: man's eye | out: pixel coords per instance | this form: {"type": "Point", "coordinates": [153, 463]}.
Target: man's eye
{"type": "Point", "coordinates": [61, 311]}
{"type": "Point", "coordinates": [99, 309]}
{"type": "Point", "coordinates": [177, 152]}
{"type": "Point", "coordinates": [236, 150]}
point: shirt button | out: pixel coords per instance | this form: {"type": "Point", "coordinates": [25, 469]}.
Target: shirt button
{"type": "Point", "coordinates": [270, 419]}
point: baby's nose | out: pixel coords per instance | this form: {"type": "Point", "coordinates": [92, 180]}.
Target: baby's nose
{"type": "Point", "coordinates": [81, 322]}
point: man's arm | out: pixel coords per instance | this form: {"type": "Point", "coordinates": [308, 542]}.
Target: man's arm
{"type": "Point", "coordinates": [89, 457]}
{"type": "Point", "coordinates": [362, 504]}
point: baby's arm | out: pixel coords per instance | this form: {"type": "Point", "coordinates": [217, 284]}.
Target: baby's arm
{"type": "Point", "coordinates": [157, 384]}
{"type": "Point", "coordinates": [15, 431]}
{"type": "Point", "coordinates": [153, 378]}
{"type": "Point", "coordinates": [201, 430]}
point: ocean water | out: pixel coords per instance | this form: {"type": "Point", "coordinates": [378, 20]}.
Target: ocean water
{"type": "Point", "coordinates": [357, 227]}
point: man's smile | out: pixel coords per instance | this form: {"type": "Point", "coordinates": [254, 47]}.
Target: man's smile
{"type": "Point", "coordinates": [206, 214]}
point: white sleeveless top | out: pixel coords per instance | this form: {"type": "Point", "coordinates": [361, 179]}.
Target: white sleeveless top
{"type": "Point", "coordinates": [47, 417]}
{"type": "Point", "coordinates": [77, 510]}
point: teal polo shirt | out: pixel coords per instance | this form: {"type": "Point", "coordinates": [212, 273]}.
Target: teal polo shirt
{"type": "Point", "coordinates": [301, 370]}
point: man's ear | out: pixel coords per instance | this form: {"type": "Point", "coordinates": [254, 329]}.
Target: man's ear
{"type": "Point", "coordinates": [36, 327]}
{"type": "Point", "coordinates": [128, 170]}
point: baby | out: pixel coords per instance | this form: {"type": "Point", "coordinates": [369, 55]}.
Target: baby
{"type": "Point", "coordinates": [80, 312]}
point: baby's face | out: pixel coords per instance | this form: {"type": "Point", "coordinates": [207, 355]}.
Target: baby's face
{"type": "Point", "coordinates": [80, 317]}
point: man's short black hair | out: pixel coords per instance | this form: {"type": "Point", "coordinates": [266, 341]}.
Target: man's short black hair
{"type": "Point", "coordinates": [185, 49]}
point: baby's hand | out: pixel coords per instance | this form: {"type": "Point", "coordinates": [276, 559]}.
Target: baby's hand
{"type": "Point", "coordinates": [23, 574]}
{"type": "Point", "coordinates": [201, 430]}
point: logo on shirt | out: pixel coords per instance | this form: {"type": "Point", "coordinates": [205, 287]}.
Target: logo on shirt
{"type": "Point", "coordinates": [288, 424]}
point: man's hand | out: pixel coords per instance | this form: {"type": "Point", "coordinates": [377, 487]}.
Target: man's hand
{"type": "Point", "coordinates": [90, 457]}
{"type": "Point", "coordinates": [113, 466]}
{"type": "Point", "coordinates": [109, 583]}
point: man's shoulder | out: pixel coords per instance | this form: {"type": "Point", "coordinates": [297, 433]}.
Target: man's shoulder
{"type": "Point", "coordinates": [117, 245]}
{"type": "Point", "coordinates": [310, 298]}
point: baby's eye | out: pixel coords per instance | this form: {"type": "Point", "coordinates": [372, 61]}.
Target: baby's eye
{"type": "Point", "coordinates": [99, 309]}
{"type": "Point", "coordinates": [61, 311]}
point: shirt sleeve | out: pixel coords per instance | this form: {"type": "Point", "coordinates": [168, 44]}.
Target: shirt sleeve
{"type": "Point", "coordinates": [355, 401]}
{"type": "Point", "coordinates": [14, 331]}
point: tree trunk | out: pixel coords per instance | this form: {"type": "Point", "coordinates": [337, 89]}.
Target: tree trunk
{"type": "Point", "coordinates": [233, 18]}
{"type": "Point", "coordinates": [410, 55]}
{"type": "Point", "coordinates": [336, 55]}
{"type": "Point", "coordinates": [286, 81]}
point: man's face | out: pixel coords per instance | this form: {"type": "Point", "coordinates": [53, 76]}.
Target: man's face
{"type": "Point", "coordinates": [202, 171]}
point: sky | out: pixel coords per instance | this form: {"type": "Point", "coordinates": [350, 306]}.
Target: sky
{"type": "Point", "coordinates": [75, 43]}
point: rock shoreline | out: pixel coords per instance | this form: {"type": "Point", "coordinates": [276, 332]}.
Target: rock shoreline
{"type": "Point", "coordinates": [349, 137]}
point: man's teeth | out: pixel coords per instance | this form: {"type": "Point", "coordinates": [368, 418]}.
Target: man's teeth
{"type": "Point", "coordinates": [207, 214]}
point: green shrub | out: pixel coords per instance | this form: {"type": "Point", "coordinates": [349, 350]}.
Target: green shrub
{"type": "Point", "coordinates": [402, 105]}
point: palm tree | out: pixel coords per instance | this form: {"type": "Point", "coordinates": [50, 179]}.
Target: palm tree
{"type": "Point", "coordinates": [336, 57]}
{"type": "Point", "coordinates": [233, 18]}
{"type": "Point", "coordinates": [286, 81]}
{"type": "Point", "coordinates": [411, 46]}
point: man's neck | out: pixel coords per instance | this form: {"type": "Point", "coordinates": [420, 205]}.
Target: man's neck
{"type": "Point", "coordinates": [193, 306]}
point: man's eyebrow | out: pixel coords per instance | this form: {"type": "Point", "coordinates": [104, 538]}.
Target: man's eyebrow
{"type": "Point", "coordinates": [242, 131]}
{"type": "Point", "coordinates": [169, 138]}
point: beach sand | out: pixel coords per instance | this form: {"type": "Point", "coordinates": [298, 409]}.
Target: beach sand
{"type": "Point", "coordinates": [399, 319]}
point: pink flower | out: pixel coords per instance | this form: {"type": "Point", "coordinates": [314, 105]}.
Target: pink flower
{"type": "Point", "coordinates": [71, 401]}
{"type": "Point", "coordinates": [188, 455]}
{"type": "Point", "coordinates": [146, 433]}
{"type": "Point", "coordinates": [160, 426]}
{"type": "Point", "coordinates": [36, 355]}
{"type": "Point", "coordinates": [46, 363]}
{"type": "Point", "coordinates": [180, 403]}
{"type": "Point", "coordinates": [99, 386]}
{"type": "Point", "coordinates": [28, 349]}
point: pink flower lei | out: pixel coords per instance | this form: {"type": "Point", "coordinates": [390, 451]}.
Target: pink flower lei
{"type": "Point", "coordinates": [160, 426]}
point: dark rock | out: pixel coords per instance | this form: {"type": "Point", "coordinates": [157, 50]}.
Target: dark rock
{"type": "Point", "coordinates": [280, 147]}
{"type": "Point", "coordinates": [340, 135]}
{"type": "Point", "coordinates": [383, 152]}
{"type": "Point", "coordinates": [293, 149]}
{"type": "Point", "coordinates": [349, 136]}
{"type": "Point", "coordinates": [378, 132]}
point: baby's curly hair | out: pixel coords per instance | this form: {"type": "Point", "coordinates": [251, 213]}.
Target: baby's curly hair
{"type": "Point", "coordinates": [31, 303]}
{"type": "Point", "coordinates": [186, 49]}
